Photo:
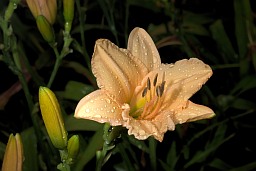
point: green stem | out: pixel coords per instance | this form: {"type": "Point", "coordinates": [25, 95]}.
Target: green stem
{"type": "Point", "coordinates": [59, 56]}
{"type": "Point", "coordinates": [25, 88]}
{"type": "Point", "coordinates": [109, 135]}
{"type": "Point", "coordinates": [152, 153]}
{"type": "Point", "coordinates": [56, 66]}
{"type": "Point", "coordinates": [64, 166]}
{"type": "Point", "coordinates": [81, 27]}
{"type": "Point", "coordinates": [101, 157]}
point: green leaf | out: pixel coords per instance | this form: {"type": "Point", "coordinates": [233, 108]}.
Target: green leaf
{"type": "Point", "coordinates": [245, 84]}
{"type": "Point", "coordinates": [219, 164]}
{"type": "Point", "coordinates": [139, 144]}
{"type": "Point", "coordinates": [172, 156]}
{"type": "Point", "coordinates": [242, 15]}
{"type": "Point", "coordinates": [200, 156]}
{"type": "Point", "coordinates": [94, 145]}
{"type": "Point", "coordinates": [73, 124]}
{"type": "Point", "coordinates": [194, 28]}
{"type": "Point", "coordinates": [218, 136]}
{"type": "Point", "coordinates": [198, 19]}
{"type": "Point", "coordinates": [247, 167]}
{"type": "Point", "coordinates": [220, 36]}
{"type": "Point", "coordinates": [227, 101]}
{"type": "Point", "coordinates": [2, 150]}
{"type": "Point", "coordinates": [79, 68]}
{"type": "Point", "coordinates": [29, 141]}
{"type": "Point", "coordinates": [165, 166]}
{"type": "Point", "coordinates": [76, 90]}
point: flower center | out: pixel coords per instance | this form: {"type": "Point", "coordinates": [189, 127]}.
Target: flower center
{"type": "Point", "coordinates": [149, 102]}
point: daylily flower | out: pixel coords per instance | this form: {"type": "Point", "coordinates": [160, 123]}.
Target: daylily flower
{"type": "Point", "coordinates": [141, 94]}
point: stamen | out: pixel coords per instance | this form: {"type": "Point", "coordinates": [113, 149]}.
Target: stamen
{"type": "Point", "coordinates": [162, 88]}
{"type": "Point", "coordinates": [144, 93]}
{"type": "Point", "coordinates": [148, 84]}
{"type": "Point", "coordinates": [155, 80]}
{"type": "Point", "coordinates": [163, 78]}
{"type": "Point", "coordinates": [158, 91]}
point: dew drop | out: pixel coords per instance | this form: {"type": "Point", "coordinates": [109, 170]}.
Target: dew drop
{"type": "Point", "coordinates": [14, 5]}
{"type": "Point", "coordinates": [98, 116]}
{"type": "Point", "coordinates": [87, 110]}
{"type": "Point", "coordinates": [108, 101]}
{"type": "Point", "coordinates": [142, 132]}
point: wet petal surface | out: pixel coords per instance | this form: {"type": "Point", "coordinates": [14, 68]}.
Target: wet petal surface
{"type": "Point", "coordinates": [100, 107]}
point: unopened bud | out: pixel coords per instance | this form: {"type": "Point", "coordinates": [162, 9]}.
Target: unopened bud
{"type": "Point", "coordinates": [73, 147]}
{"type": "Point", "coordinates": [47, 8]}
{"type": "Point", "coordinates": [45, 29]}
{"type": "Point", "coordinates": [13, 157]}
{"type": "Point", "coordinates": [68, 10]}
{"type": "Point", "coordinates": [52, 117]}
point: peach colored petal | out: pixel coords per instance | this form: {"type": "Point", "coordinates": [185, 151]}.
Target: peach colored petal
{"type": "Point", "coordinates": [142, 46]}
{"type": "Point", "coordinates": [192, 112]}
{"type": "Point", "coordinates": [100, 107]}
{"type": "Point", "coordinates": [183, 79]}
{"type": "Point", "coordinates": [142, 129]}
{"type": "Point", "coordinates": [116, 70]}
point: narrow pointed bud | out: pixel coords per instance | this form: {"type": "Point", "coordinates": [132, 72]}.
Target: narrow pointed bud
{"type": "Point", "coordinates": [73, 147]}
{"type": "Point", "coordinates": [68, 10]}
{"type": "Point", "coordinates": [45, 29]}
{"type": "Point", "coordinates": [52, 117]}
{"type": "Point", "coordinates": [46, 8]}
{"type": "Point", "coordinates": [13, 157]}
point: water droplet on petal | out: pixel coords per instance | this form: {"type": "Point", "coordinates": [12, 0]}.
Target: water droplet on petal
{"type": "Point", "coordinates": [87, 110]}
{"type": "Point", "coordinates": [142, 132]}
{"type": "Point", "coordinates": [97, 116]}
{"type": "Point", "coordinates": [108, 101]}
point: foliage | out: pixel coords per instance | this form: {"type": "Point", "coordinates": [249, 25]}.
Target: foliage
{"type": "Point", "coordinates": [220, 33]}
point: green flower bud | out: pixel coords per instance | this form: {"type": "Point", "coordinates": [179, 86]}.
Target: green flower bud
{"type": "Point", "coordinates": [73, 147]}
{"type": "Point", "coordinates": [45, 29]}
{"type": "Point", "coordinates": [13, 157]}
{"type": "Point", "coordinates": [68, 10]}
{"type": "Point", "coordinates": [46, 8]}
{"type": "Point", "coordinates": [52, 117]}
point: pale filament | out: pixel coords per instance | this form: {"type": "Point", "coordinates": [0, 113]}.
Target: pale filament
{"type": "Point", "coordinates": [153, 97]}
